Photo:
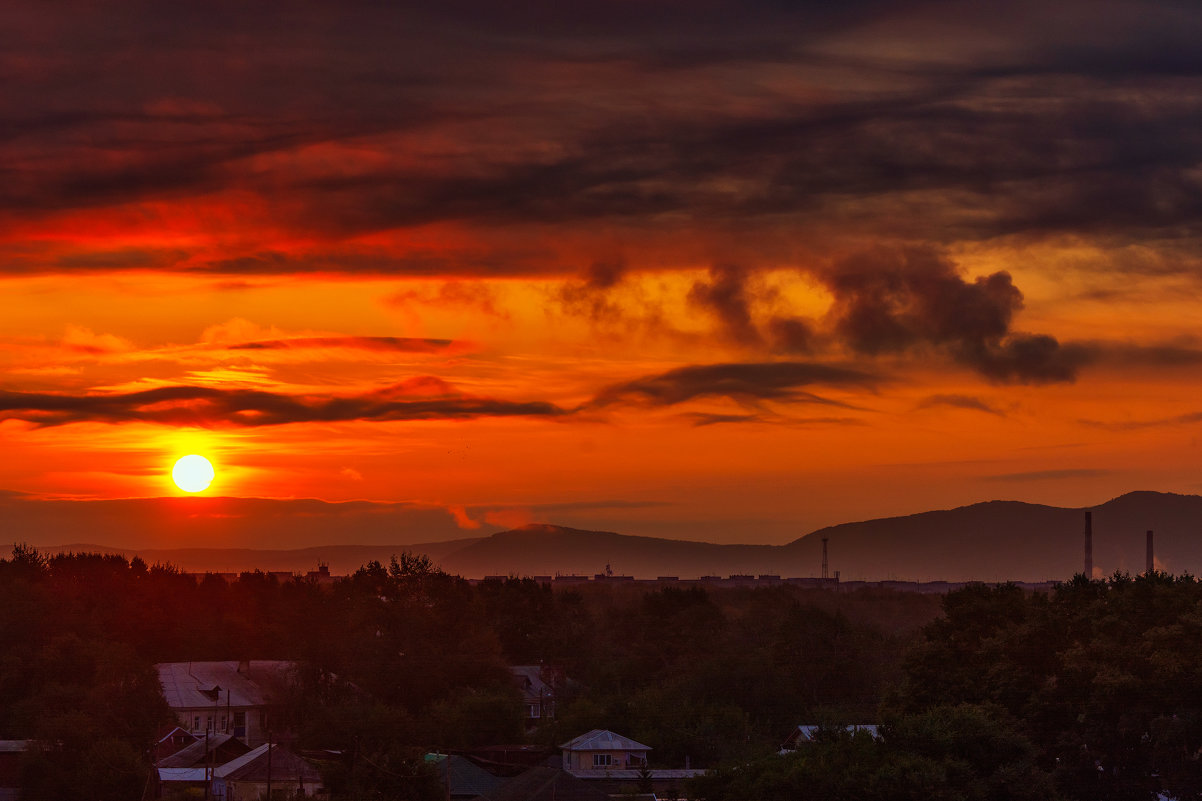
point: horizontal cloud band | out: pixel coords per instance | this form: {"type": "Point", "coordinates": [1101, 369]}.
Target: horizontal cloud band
{"type": "Point", "coordinates": [208, 406]}
{"type": "Point", "coordinates": [190, 405]}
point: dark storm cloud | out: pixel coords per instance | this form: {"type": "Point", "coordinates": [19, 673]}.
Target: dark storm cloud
{"type": "Point", "coordinates": [401, 344]}
{"type": "Point", "coordinates": [894, 300]}
{"type": "Point", "coordinates": [728, 296]}
{"type": "Point", "coordinates": [779, 381]}
{"type": "Point", "coordinates": [725, 295]}
{"type": "Point", "coordinates": [590, 297]}
{"type": "Point", "coordinates": [889, 300]}
{"type": "Point", "coordinates": [1072, 128]}
{"type": "Point", "coordinates": [1024, 359]}
{"type": "Point", "coordinates": [203, 406]}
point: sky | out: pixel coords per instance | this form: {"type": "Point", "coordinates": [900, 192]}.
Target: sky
{"type": "Point", "coordinates": [702, 270]}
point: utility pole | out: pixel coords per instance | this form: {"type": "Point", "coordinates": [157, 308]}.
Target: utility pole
{"type": "Point", "coordinates": [269, 763]}
{"type": "Point", "coordinates": [208, 775]}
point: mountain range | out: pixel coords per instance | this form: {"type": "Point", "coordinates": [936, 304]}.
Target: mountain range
{"type": "Point", "coordinates": [990, 541]}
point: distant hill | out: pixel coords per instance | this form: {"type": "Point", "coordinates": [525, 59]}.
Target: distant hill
{"type": "Point", "coordinates": [1000, 540]}
{"type": "Point", "coordinates": [991, 541]}
{"type": "Point", "coordinates": [546, 550]}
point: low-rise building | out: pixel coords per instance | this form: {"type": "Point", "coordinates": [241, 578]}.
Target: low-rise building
{"type": "Point", "coordinates": [264, 773]}
{"type": "Point", "coordinates": [603, 750]}
{"type": "Point", "coordinates": [235, 698]}
{"type": "Point", "coordinates": [537, 685]}
{"type": "Point", "coordinates": [11, 754]}
{"type": "Point", "coordinates": [618, 764]}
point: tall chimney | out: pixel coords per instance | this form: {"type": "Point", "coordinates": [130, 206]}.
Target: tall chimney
{"type": "Point", "coordinates": [824, 573]}
{"type": "Point", "coordinates": [1089, 545]}
{"type": "Point", "coordinates": [1151, 560]}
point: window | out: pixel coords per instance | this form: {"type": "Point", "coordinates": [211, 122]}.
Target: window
{"type": "Point", "coordinates": [532, 710]}
{"type": "Point", "coordinates": [602, 760]}
{"type": "Point", "coordinates": [223, 726]}
{"type": "Point", "coordinates": [239, 720]}
{"type": "Point", "coordinates": [208, 722]}
{"type": "Point", "coordinates": [196, 723]}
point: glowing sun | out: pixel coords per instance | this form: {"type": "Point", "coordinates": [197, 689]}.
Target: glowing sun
{"type": "Point", "coordinates": [193, 473]}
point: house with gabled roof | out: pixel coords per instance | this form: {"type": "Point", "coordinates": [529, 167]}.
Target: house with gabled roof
{"type": "Point", "coordinates": [462, 778]}
{"type": "Point", "coordinates": [248, 777]}
{"type": "Point", "coordinates": [601, 749]}
{"type": "Point", "coordinates": [617, 764]}
{"type": "Point", "coordinates": [215, 749]}
{"type": "Point", "coordinates": [536, 683]}
{"type": "Point", "coordinates": [226, 697]}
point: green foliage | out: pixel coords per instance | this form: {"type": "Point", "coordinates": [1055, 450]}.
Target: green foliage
{"type": "Point", "coordinates": [960, 753]}
{"type": "Point", "coordinates": [1106, 677]}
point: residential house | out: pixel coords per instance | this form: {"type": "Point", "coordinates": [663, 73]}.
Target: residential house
{"type": "Point", "coordinates": [462, 778]}
{"type": "Point", "coordinates": [11, 754]}
{"type": "Point", "coordinates": [537, 685]}
{"type": "Point", "coordinates": [618, 764]}
{"type": "Point", "coordinates": [226, 697]}
{"type": "Point", "coordinates": [213, 750]}
{"type": "Point", "coordinates": [248, 777]}
{"type": "Point", "coordinates": [171, 740]}
{"type": "Point", "coordinates": [603, 750]}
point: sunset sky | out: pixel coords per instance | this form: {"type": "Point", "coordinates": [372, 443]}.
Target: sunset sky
{"type": "Point", "coordinates": [704, 270]}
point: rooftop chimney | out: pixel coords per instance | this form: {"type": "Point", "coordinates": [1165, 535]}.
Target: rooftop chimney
{"type": "Point", "coordinates": [1151, 560]}
{"type": "Point", "coordinates": [1089, 545]}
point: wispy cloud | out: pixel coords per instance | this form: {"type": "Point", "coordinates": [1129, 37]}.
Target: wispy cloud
{"type": "Point", "coordinates": [959, 402]}
{"type": "Point", "coordinates": [205, 406]}
{"type": "Point", "coordinates": [781, 381]}
{"type": "Point", "coordinates": [402, 344]}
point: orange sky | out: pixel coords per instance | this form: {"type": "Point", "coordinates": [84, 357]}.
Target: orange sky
{"type": "Point", "coordinates": [662, 269]}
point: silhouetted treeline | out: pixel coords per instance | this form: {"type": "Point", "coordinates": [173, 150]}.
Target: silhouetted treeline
{"type": "Point", "coordinates": [400, 658]}
{"type": "Point", "coordinates": [1093, 691]}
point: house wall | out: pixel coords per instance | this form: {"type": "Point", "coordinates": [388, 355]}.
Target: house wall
{"type": "Point", "coordinates": [583, 760]}
{"type": "Point", "coordinates": [255, 735]}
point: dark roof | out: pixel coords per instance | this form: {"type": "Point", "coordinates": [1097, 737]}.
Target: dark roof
{"type": "Point", "coordinates": [195, 754]}
{"type": "Point", "coordinates": [198, 685]}
{"type": "Point", "coordinates": [546, 784]}
{"type": "Point", "coordinates": [603, 740]}
{"type": "Point", "coordinates": [467, 778]}
{"type": "Point", "coordinates": [252, 767]}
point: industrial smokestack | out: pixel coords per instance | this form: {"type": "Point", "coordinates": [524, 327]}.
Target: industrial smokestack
{"type": "Point", "coordinates": [1089, 545]}
{"type": "Point", "coordinates": [1151, 559]}
{"type": "Point", "coordinates": [824, 573]}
